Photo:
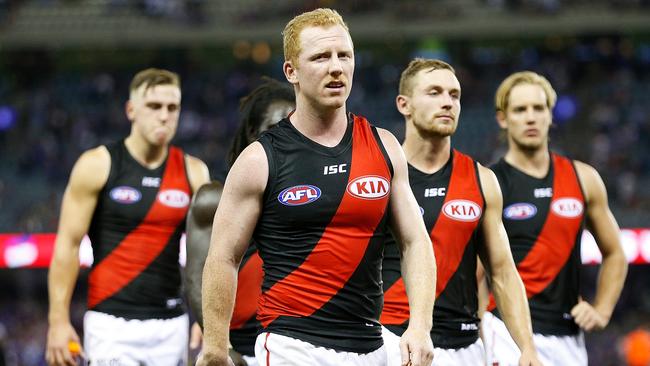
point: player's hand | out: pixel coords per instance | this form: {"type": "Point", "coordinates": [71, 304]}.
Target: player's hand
{"type": "Point", "coordinates": [196, 336]}
{"type": "Point", "coordinates": [237, 358]}
{"type": "Point", "coordinates": [587, 317]}
{"type": "Point", "coordinates": [416, 347]}
{"type": "Point", "coordinates": [63, 345]}
{"type": "Point", "coordinates": [212, 359]}
{"type": "Point", "coordinates": [529, 358]}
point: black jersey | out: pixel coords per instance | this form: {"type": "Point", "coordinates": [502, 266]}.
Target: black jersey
{"type": "Point", "coordinates": [544, 219]}
{"type": "Point", "coordinates": [135, 232]}
{"type": "Point", "coordinates": [320, 236]}
{"type": "Point", "coordinates": [452, 203]}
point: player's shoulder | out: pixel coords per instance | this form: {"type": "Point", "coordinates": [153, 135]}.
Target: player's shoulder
{"type": "Point", "coordinates": [97, 158]}
{"type": "Point", "coordinates": [209, 192]}
{"type": "Point", "coordinates": [585, 170]}
{"type": "Point", "coordinates": [92, 168]}
{"type": "Point", "coordinates": [207, 198]}
{"type": "Point", "coordinates": [489, 182]}
{"type": "Point", "coordinates": [251, 169]}
{"type": "Point", "coordinates": [590, 180]}
{"type": "Point", "coordinates": [388, 139]}
{"type": "Point", "coordinates": [197, 172]}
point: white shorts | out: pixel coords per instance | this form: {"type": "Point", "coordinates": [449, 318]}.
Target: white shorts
{"type": "Point", "coordinates": [474, 354]}
{"type": "Point", "coordinates": [250, 360]}
{"type": "Point", "coordinates": [277, 350]}
{"type": "Point", "coordinates": [502, 350]}
{"type": "Point", "coordinates": [114, 341]}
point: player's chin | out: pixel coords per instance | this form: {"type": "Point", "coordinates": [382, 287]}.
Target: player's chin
{"type": "Point", "coordinates": [334, 103]}
{"type": "Point", "coordinates": [160, 141]}
{"type": "Point", "coordinates": [530, 143]}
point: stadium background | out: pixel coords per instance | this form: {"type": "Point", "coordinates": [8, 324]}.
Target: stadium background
{"type": "Point", "coordinates": [65, 66]}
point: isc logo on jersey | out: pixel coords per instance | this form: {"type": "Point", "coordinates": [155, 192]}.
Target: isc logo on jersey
{"type": "Point", "coordinates": [174, 198]}
{"type": "Point", "coordinates": [125, 194]}
{"type": "Point", "coordinates": [567, 207]}
{"type": "Point", "coordinates": [369, 187]}
{"type": "Point", "coordinates": [520, 211]}
{"type": "Point", "coordinates": [299, 195]}
{"type": "Point", "coordinates": [462, 210]}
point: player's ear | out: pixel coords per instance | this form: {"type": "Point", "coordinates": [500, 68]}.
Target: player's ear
{"type": "Point", "coordinates": [290, 72]}
{"type": "Point", "coordinates": [501, 120]}
{"type": "Point", "coordinates": [130, 110]}
{"type": "Point", "coordinates": [402, 102]}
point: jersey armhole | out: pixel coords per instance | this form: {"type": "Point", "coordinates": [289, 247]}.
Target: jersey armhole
{"type": "Point", "coordinates": [480, 189]}
{"type": "Point", "coordinates": [115, 153]}
{"type": "Point", "coordinates": [267, 144]}
{"type": "Point", "coordinates": [389, 163]}
{"type": "Point", "coordinates": [187, 173]}
{"type": "Point", "coordinates": [582, 190]}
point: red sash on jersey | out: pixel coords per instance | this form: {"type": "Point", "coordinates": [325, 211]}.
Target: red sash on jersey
{"type": "Point", "coordinates": [249, 288]}
{"type": "Point", "coordinates": [449, 237]}
{"type": "Point", "coordinates": [343, 244]}
{"type": "Point", "coordinates": [555, 243]}
{"type": "Point", "coordinates": [141, 246]}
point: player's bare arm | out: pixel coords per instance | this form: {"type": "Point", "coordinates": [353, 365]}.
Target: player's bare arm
{"type": "Point", "coordinates": [88, 176]}
{"type": "Point", "coordinates": [198, 173]}
{"type": "Point", "coordinates": [509, 291]}
{"type": "Point", "coordinates": [602, 224]}
{"type": "Point", "coordinates": [199, 228]}
{"type": "Point", "coordinates": [234, 222]}
{"type": "Point", "coordinates": [418, 262]}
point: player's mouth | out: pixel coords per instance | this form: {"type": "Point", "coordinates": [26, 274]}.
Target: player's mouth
{"type": "Point", "coordinates": [337, 84]}
{"type": "Point", "coordinates": [531, 132]}
{"type": "Point", "coordinates": [445, 116]}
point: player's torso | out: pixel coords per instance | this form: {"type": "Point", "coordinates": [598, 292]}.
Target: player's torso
{"type": "Point", "coordinates": [135, 232]}
{"type": "Point", "coordinates": [544, 219]}
{"type": "Point", "coordinates": [452, 204]}
{"type": "Point", "coordinates": [320, 234]}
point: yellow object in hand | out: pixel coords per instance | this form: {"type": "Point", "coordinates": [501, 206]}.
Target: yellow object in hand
{"type": "Point", "coordinates": [74, 347]}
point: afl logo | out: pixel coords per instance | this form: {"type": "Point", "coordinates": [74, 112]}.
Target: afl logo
{"type": "Point", "coordinates": [462, 210]}
{"type": "Point", "coordinates": [174, 198]}
{"type": "Point", "coordinates": [299, 195]}
{"type": "Point", "coordinates": [369, 187]}
{"type": "Point", "coordinates": [567, 207]}
{"type": "Point", "coordinates": [520, 211]}
{"type": "Point", "coordinates": [125, 194]}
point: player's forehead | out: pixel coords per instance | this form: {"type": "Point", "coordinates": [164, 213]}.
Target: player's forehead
{"type": "Point", "coordinates": [435, 78]}
{"type": "Point", "coordinates": [526, 93]}
{"type": "Point", "coordinates": [314, 39]}
{"type": "Point", "coordinates": [164, 93]}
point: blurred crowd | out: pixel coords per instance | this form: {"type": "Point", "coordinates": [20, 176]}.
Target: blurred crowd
{"type": "Point", "coordinates": [54, 105]}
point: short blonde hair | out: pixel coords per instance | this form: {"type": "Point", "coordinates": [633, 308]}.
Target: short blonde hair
{"type": "Point", "coordinates": [149, 78]}
{"type": "Point", "coordinates": [416, 65]}
{"type": "Point", "coordinates": [321, 17]}
{"type": "Point", "coordinates": [523, 77]}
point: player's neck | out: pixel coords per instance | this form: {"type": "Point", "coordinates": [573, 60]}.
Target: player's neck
{"type": "Point", "coordinates": [427, 154]}
{"type": "Point", "coordinates": [534, 162]}
{"type": "Point", "coordinates": [325, 126]}
{"type": "Point", "coordinates": [151, 157]}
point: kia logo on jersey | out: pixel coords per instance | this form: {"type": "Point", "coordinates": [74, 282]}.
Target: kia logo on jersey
{"type": "Point", "coordinates": [462, 210]}
{"type": "Point", "coordinates": [369, 187]}
{"type": "Point", "coordinates": [125, 194]}
{"type": "Point", "coordinates": [567, 207]}
{"type": "Point", "coordinates": [299, 195]}
{"type": "Point", "coordinates": [174, 198]}
{"type": "Point", "coordinates": [520, 211]}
